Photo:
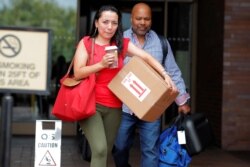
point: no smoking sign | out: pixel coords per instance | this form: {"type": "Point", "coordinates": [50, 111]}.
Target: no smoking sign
{"type": "Point", "coordinates": [10, 45]}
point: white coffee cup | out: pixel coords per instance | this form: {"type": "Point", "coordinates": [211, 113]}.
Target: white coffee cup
{"type": "Point", "coordinates": [113, 50]}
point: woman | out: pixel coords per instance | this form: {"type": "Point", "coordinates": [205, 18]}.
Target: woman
{"type": "Point", "coordinates": [101, 129]}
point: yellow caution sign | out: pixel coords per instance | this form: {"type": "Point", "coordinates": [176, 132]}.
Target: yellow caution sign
{"type": "Point", "coordinates": [48, 143]}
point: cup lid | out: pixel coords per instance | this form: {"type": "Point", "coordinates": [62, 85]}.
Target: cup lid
{"type": "Point", "coordinates": [111, 48]}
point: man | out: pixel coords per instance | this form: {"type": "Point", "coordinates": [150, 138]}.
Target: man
{"type": "Point", "coordinates": [141, 34]}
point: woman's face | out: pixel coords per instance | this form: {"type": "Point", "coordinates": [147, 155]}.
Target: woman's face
{"type": "Point", "coordinates": [107, 24]}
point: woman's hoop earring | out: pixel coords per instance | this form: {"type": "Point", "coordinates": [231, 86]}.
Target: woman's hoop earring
{"type": "Point", "coordinates": [95, 31]}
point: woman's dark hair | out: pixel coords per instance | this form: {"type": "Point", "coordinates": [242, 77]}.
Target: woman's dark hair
{"type": "Point", "coordinates": [118, 36]}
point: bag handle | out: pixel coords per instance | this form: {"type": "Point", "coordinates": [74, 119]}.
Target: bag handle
{"type": "Point", "coordinates": [92, 51]}
{"type": "Point", "coordinates": [177, 121]}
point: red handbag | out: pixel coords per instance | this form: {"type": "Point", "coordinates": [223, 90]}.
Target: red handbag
{"type": "Point", "coordinates": [76, 98]}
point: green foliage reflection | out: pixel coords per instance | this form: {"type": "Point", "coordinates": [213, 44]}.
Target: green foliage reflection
{"type": "Point", "coordinates": [44, 14]}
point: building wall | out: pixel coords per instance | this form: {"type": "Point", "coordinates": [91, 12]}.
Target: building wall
{"type": "Point", "coordinates": [236, 76]}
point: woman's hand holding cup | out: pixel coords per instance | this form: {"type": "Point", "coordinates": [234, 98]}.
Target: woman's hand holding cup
{"type": "Point", "coordinates": [112, 56]}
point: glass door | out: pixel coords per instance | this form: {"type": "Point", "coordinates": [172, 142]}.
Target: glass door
{"type": "Point", "coordinates": [179, 29]}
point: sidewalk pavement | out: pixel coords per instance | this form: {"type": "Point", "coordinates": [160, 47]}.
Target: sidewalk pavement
{"type": "Point", "coordinates": [22, 155]}
{"type": "Point", "coordinates": [23, 150]}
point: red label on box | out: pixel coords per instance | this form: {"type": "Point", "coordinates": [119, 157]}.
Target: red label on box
{"type": "Point", "coordinates": [135, 86]}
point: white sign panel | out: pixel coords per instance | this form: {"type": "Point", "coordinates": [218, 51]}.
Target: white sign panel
{"type": "Point", "coordinates": [135, 86]}
{"type": "Point", "coordinates": [24, 60]}
{"type": "Point", "coordinates": [48, 143]}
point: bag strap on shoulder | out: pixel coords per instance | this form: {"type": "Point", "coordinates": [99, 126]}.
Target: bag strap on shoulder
{"type": "Point", "coordinates": [91, 57]}
{"type": "Point", "coordinates": [164, 45]}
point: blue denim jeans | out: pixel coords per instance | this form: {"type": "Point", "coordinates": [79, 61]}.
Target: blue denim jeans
{"type": "Point", "coordinates": [149, 141]}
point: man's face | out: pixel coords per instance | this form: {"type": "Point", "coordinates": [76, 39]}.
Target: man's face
{"type": "Point", "coordinates": [141, 21]}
